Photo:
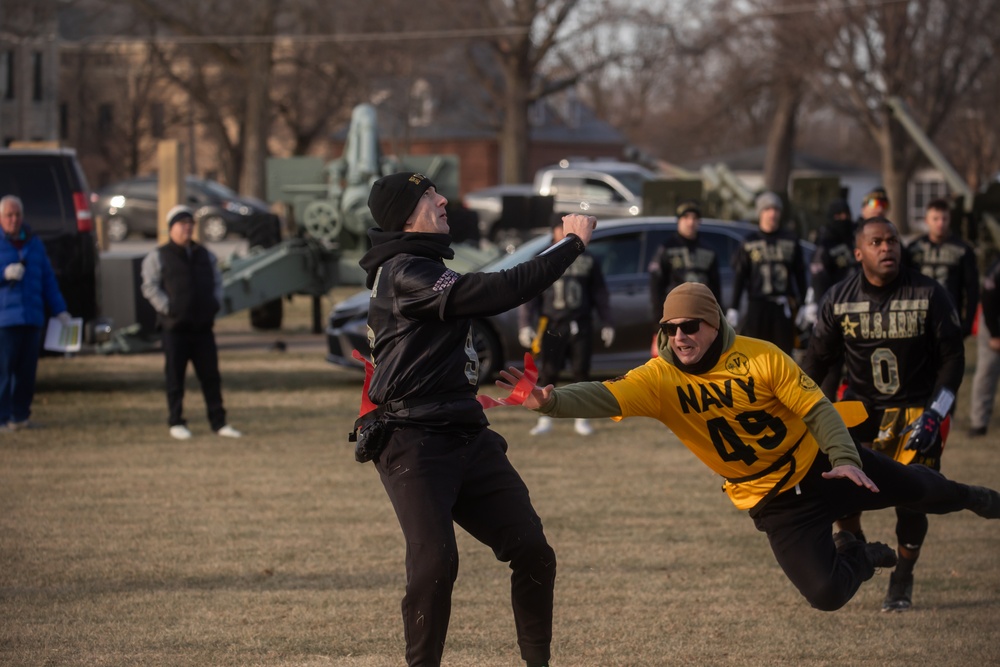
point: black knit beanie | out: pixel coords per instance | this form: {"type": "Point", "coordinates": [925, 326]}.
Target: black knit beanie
{"type": "Point", "coordinates": [394, 197]}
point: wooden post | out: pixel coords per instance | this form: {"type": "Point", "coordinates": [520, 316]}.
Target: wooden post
{"type": "Point", "coordinates": [171, 185]}
{"type": "Point", "coordinates": [101, 229]}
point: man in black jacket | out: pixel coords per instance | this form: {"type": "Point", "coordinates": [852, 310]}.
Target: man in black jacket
{"type": "Point", "coordinates": [181, 280]}
{"type": "Point", "coordinates": [442, 464]}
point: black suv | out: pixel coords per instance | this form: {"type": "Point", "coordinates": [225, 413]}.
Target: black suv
{"type": "Point", "coordinates": [56, 201]}
{"type": "Point", "coordinates": [132, 207]}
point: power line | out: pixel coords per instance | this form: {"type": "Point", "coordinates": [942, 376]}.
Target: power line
{"type": "Point", "coordinates": [464, 33]}
{"type": "Point", "coordinates": [467, 33]}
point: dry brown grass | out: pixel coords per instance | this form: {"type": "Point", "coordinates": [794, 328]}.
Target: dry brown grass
{"type": "Point", "coordinates": [121, 546]}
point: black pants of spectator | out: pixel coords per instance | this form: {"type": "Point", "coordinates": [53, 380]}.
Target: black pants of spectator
{"type": "Point", "coordinates": [798, 522]}
{"type": "Point", "coordinates": [770, 321]}
{"type": "Point", "coordinates": [199, 349]}
{"type": "Point", "coordinates": [557, 344]}
{"type": "Point", "coordinates": [435, 480]}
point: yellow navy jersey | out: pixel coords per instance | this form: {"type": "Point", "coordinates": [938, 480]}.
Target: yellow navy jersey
{"type": "Point", "coordinates": [742, 418]}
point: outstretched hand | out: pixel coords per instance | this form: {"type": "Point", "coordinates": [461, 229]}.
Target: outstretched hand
{"type": "Point", "coordinates": [538, 397]}
{"type": "Point", "coordinates": [853, 473]}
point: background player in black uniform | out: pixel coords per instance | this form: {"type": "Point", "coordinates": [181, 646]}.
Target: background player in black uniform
{"type": "Point", "coordinates": [561, 318]}
{"type": "Point", "coordinates": [874, 204]}
{"type": "Point", "coordinates": [941, 255]}
{"type": "Point", "coordinates": [682, 259]}
{"type": "Point", "coordinates": [834, 257]}
{"type": "Point", "coordinates": [442, 464]}
{"type": "Point", "coordinates": [770, 268]}
{"type": "Point", "coordinates": [902, 342]}
{"type": "Point", "coordinates": [832, 262]}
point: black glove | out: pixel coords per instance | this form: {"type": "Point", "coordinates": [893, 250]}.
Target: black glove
{"type": "Point", "coordinates": [924, 432]}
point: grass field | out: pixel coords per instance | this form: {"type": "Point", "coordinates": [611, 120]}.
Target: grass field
{"type": "Point", "coordinates": [121, 546]}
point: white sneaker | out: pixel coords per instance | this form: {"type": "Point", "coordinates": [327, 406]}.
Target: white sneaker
{"type": "Point", "coordinates": [181, 432]}
{"type": "Point", "coordinates": [583, 427]}
{"type": "Point", "coordinates": [228, 431]}
{"type": "Point", "coordinates": [544, 425]}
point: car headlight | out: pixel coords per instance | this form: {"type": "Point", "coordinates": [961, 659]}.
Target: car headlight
{"type": "Point", "coordinates": [117, 201]}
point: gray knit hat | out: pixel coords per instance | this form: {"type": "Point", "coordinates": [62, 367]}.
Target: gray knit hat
{"type": "Point", "coordinates": [177, 213]}
{"type": "Point", "coordinates": [766, 200]}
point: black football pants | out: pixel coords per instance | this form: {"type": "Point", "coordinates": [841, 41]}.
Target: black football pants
{"type": "Point", "coordinates": [767, 320]}
{"type": "Point", "coordinates": [798, 522]}
{"type": "Point", "coordinates": [558, 343]}
{"type": "Point", "coordinates": [435, 480]}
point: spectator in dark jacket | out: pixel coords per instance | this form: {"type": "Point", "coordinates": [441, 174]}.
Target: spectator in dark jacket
{"type": "Point", "coordinates": [181, 280]}
{"type": "Point", "coordinates": [984, 383]}
{"type": "Point", "coordinates": [28, 288]}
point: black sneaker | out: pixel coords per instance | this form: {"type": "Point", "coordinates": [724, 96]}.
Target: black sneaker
{"type": "Point", "coordinates": [977, 431]}
{"type": "Point", "coordinates": [880, 555]}
{"type": "Point", "coordinates": [984, 502]}
{"type": "Point", "coordinates": [843, 539]}
{"type": "Point", "coordinates": [899, 597]}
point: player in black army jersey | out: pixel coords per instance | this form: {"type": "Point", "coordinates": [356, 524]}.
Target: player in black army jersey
{"type": "Point", "coordinates": [682, 259]}
{"type": "Point", "coordinates": [902, 342]}
{"type": "Point", "coordinates": [770, 268]}
{"type": "Point", "coordinates": [832, 262]}
{"type": "Point", "coordinates": [940, 255]}
{"type": "Point", "coordinates": [834, 257]}
{"type": "Point", "coordinates": [442, 464]}
{"type": "Point", "coordinates": [561, 320]}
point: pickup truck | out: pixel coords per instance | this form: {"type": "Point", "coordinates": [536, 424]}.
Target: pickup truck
{"type": "Point", "coordinates": [605, 188]}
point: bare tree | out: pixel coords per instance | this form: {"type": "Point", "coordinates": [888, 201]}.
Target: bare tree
{"type": "Point", "coordinates": [928, 52]}
{"type": "Point", "coordinates": [971, 140]}
{"type": "Point", "coordinates": [539, 48]}
{"type": "Point", "coordinates": [229, 81]}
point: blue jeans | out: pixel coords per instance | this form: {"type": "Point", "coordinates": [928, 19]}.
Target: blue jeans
{"type": "Point", "coordinates": [19, 347]}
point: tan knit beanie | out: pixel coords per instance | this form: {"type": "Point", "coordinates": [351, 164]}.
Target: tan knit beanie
{"type": "Point", "coordinates": [693, 301]}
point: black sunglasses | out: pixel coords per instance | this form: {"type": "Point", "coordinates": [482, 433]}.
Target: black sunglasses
{"type": "Point", "coordinates": [689, 327]}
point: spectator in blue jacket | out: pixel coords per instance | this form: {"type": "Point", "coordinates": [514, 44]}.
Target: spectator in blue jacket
{"type": "Point", "coordinates": [28, 288]}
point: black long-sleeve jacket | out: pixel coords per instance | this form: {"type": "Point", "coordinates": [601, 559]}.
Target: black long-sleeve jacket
{"type": "Point", "coordinates": [419, 324]}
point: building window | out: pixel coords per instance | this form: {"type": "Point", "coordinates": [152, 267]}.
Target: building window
{"type": "Point", "coordinates": [37, 80]}
{"type": "Point", "coordinates": [157, 120]}
{"type": "Point", "coordinates": [7, 75]}
{"type": "Point", "coordinates": [104, 119]}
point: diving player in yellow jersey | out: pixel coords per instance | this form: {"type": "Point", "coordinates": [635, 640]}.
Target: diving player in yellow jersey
{"type": "Point", "coordinates": [750, 414]}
